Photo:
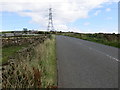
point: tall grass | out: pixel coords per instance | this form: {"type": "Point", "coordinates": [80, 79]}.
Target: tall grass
{"type": "Point", "coordinates": [47, 61]}
{"type": "Point", "coordinates": [36, 72]}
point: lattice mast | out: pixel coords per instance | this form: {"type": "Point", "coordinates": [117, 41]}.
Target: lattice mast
{"type": "Point", "coordinates": [50, 22]}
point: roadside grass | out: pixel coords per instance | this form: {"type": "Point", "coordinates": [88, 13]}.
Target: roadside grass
{"type": "Point", "coordinates": [47, 62]}
{"type": "Point", "coordinates": [93, 38]}
{"type": "Point", "coordinates": [38, 72]}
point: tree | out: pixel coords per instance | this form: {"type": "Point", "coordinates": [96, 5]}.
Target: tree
{"type": "Point", "coordinates": [25, 30]}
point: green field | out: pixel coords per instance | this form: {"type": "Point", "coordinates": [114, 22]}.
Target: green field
{"type": "Point", "coordinates": [10, 51]}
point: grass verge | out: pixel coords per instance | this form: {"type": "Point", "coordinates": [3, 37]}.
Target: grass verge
{"type": "Point", "coordinates": [98, 39]}
{"type": "Point", "coordinates": [38, 72]}
{"type": "Point", "coordinates": [47, 63]}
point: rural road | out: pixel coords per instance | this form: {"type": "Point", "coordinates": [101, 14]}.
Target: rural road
{"type": "Point", "coordinates": [85, 64]}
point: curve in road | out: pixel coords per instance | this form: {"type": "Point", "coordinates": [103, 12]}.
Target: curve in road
{"type": "Point", "coordinates": [85, 64]}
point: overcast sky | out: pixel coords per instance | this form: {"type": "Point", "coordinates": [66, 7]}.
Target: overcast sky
{"type": "Point", "coordinates": [88, 16]}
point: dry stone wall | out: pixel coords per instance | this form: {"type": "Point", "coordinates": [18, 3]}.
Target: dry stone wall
{"type": "Point", "coordinates": [15, 73]}
{"type": "Point", "coordinates": [11, 41]}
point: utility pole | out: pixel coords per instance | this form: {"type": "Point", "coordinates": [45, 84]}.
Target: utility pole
{"type": "Point", "coordinates": [50, 22]}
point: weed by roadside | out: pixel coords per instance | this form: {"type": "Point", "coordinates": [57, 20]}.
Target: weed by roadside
{"type": "Point", "coordinates": [106, 39]}
{"type": "Point", "coordinates": [38, 72]}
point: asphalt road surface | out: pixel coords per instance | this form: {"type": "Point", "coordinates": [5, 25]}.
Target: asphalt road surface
{"type": "Point", "coordinates": [85, 64]}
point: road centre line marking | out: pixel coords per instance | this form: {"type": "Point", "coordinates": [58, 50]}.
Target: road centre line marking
{"type": "Point", "coordinates": [111, 57]}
